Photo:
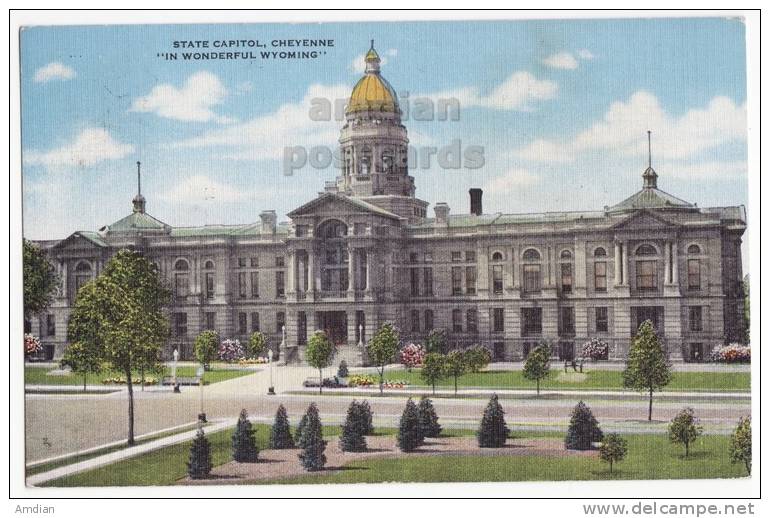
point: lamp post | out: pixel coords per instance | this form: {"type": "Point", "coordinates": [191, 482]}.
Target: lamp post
{"type": "Point", "coordinates": [360, 335]}
{"type": "Point", "coordinates": [271, 389]}
{"type": "Point", "coordinates": [173, 370]}
{"type": "Point", "coordinates": [201, 415]}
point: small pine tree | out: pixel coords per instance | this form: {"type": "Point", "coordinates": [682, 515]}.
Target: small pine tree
{"type": "Point", "coordinates": [409, 428]}
{"type": "Point", "coordinates": [366, 417]}
{"type": "Point", "coordinates": [583, 429]}
{"type": "Point", "coordinates": [428, 418]}
{"type": "Point", "coordinates": [352, 438]}
{"type": "Point", "coordinates": [613, 449]}
{"type": "Point", "coordinates": [684, 429]}
{"type": "Point", "coordinates": [280, 434]}
{"type": "Point", "coordinates": [740, 443]}
{"type": "Point", "coordinates": [199, 465]}
{"type": "Point", "coordinates": [342, 370]}
{"type": "Point", "coordinates": [492, 431]}
{"type": "Point", "coordinates": [312, 443]}
{"type": "Point", "coordinates": [244, 444]}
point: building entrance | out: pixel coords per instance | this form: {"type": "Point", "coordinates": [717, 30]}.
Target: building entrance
{"type": "Point", "coordinates": [335, 324]}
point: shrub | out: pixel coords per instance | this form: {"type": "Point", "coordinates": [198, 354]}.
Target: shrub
{"type": "Point", "coordinates": [342, 370]}
{"type": "Point", "coordinates": [613, 449]}
{"type": "Point", "coordinates": [733, 353]}
{"type": "Point", "coordinates": [300, 429]}
{"type": "Point", "coordinates": [436, 342]}
{"type": "Point", "coordinates": [409, 428]}
{"type": "Point", "coordinates": [493, 431]}
{"type": "Point", "coordinates": [360, 380]}
{"type": "Point", "coordinates": [32, 344]}
{"type": "Point", "coordinates": [596, 349]}
{"type": "Point", "coordinates": [364, 416]}
{"type": "Point", "coordinates": [684, 429]}
{"type": "Point", "coordinates": [740, 443]}
{"type": "Point", "coordinates": [428, 418]}
{"type": "Point", "coordinates": [312, 443]}
{"type": "Point", "coordinates": [477, 358]}
{"type": "Point", "coordinates": [230, 350]}
{"type": "Point", "coordinates": [412, 355]}
{"type": "Point", "coordinates": [244, 444]}
{"type": "Point", "coordinates": [280, 434]}
{"type": "Point", "coordinates": [257, 344]}
{"type": "Point", "coordinates": [583, 429]}
{"type": "Point", "coordinates": [352, 438]}
{"type": "Point", "coordinates": [205, 347]}
{"type": "Point", "coordinates": [199, 466]}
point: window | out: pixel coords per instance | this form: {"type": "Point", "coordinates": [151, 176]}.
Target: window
{"type": "Point", "coordinates": [181, 278]}
{"type": "Point", "coordinates": [211, 321]}
{"type": "Point", "coordinates": [531, 278]}
{"type": "Point", "coordinates": [360, 326]}
{"type": "Point", "coordinates": [565, 254]}
{"type": "Point", "coordinates": [428, 257]}
{"type": "Point", "coordinates": [301, 230]}
{"type": "Point", "coordinates": [567, 321]}
{"type": "Point", "coordinates": [693, 249]}
{"type": "Point", "coordinates": [696, 318]}
{"type": "Point", "coordinates": [457, 257]}
{"type": "Point", "coordinates": [428, 319]}
{"type": "Point", "coordinates": [254, 322]}
{"type": "Point", "coordinates": [209, 265]}
{"type": "Point", "coordinates": [413, 257]}
{"type": "Point", "coordinates": [470, 256]}
{"type": "Point", "coordinates": [457, 280]}
{"type": "Point", "coordinates": [497, 278]}
{"type": "Point", "coordinates": [414, 281]}
{"type": "Point", "coordinates": [470, 280]}
{"type": "Point", "coordinates": [457, 321]}
{"type": "Point", "coordinates": [254, 262]}
{"type": "Point", "coordinates": [415, 317]}
{"type": "Point", "coordinates": [301, 328]}
{"type": "Point", "coordinates": [646, 250]}
{"type": "Point", "coordinates": [472, 321]}
{"type": "Point", "coordinates": [652, 313]}
{"type": "Point", "coordinates": [531, 321]}
{"type": "Point", "coordinates": [531, 255]}
{"type": "Point", "coordinates": [693, 274]}
{"type": "Point", "coordinates": [279, 284]}
{"type": "Point", "coordinates": [602, 320]}
{"type": "Point", "coordinates": [498, 320]}
{"type": "Point", "coordinates": [646, 278]}
{"type": "Point", "coordinates": [50, 325]}
{"type": "Point", "coordinates": [82, 274]}
{"type": "Point", "coordinates": [600, 276]}
{"type": "Point", "coordinates": [696, 352]}
{"type": "Point", "coordinates": [180, 324]}
{"type": "Point", "coordinates": [241, 262]}
{"type": "Point", "coordinates": [255, 285]}
{"type": "Point", "coordinates": [566, 277]}
{"type": "Point", "coordinates": [427, 281]}
{"type": "Point", "coordinates": [242, 284]}
{"type": "Point", "coordinates": [242, 323]}
{"type": "Point", "coordinates": [279, 262]}
{"type": "Point", "coordinates": [209, 285]}
{"type": "Point", "coordinates": [600, 252]}
{"type": "Point", "coordinates": [497, 257]}
{"type": "Point", "coordinates": [280, 321]}
{"type": "Point", "coordinates": [499, 351]}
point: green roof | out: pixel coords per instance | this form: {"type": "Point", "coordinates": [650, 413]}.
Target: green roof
{"type": "Point", "coordinates": [651, 198]}
{"type": "Point", "coordinates": [137, 221]}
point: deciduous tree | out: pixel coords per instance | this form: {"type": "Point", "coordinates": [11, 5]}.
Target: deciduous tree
{"type": "Point", "coordinates": [647, 368]}
{"type": "Point", "coordinates": [684, 429]}
{"type": "Point", "coordinates": [538, 364]}
{"type": "Point", "coordinates": [40, 279]}
{"type": "Point", "coordinates": [740, 443]}
{"type": "Point", "coordinates": [382, 349]}
{"type": "Point", "coordinates": [613, 449]}
{"type": "Point", "coordinates": [319, 353]}
{"type": "Point", "coordinates": [206, 347]}
{"type": "Point", "coordinates": [433, 369]}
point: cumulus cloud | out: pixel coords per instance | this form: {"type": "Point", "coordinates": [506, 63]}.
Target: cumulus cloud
{"type": "Point", "coordinates": [91, 147]}
{"type": "Point", "coordinates": [512, 180]}
{"type": "Point", "coordinates": [706, 169]}
{"type": "Point", "coordinates": [561, 60]}
{"type": "Point", "coordinates": [198, 189]}
{"type": "Point", "coordinates": [358, 65]}
{"type": "Point", "coordinates": [585, 54]}
{"type": "Point", "coordinates": [55, 71]}
{"type": "Point", "coordinates": [192, 102]}
{"type": "Point", "coordinates": [518, 92]}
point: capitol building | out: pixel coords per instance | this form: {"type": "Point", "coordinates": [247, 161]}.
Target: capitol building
{"type": "Point", "coordinates": [367, 250]}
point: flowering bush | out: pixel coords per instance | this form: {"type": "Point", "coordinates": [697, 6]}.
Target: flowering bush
{"type": "Point", "coordinates": [121, 380]}
{"type": "Point", "coordinates": [733, 353]}
{"type": "Point", "coordinates": [395, 384]}
{"type": "Point", "coordinates": [32, 344]}
{"type": "Point", "coordinates": [359, 380]}
{"type": "Point", "coordinates": [230, 350]}
{"type": "Point", "coordinates": [596, 349]}
{"type": "Point", "coordinates": [412, 355]}
{"type": "Point", "coordinates": [253, 361]}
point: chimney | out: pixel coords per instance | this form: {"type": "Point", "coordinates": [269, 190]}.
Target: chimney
{"type": "Point", "coordinates": [476, 201]}
{"type": "Point", "coordinates": [269, 219]}
{"type": "Point", "coordinates": [442, 212]}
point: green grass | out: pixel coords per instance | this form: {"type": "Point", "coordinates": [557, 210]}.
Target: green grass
{"type": "Point", "coordinates": [595, 379]}
{"type": "Point", "coordinates": [39, 375]}
{"type": "Point", "coordinates": [650, 457]}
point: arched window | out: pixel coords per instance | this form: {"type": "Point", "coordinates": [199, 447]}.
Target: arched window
{"type": "Point", "coordinates": [83, 273]}
{"type": "Point", "coordinates": [332, 229]}
{"type": "Point", "coordinates": [181, 278]}
{"type": "Point", "coordinates": [208, 279]}
{"type": "Point", "coordinates": [365, 161]}
{"type": "Point", "coordinates": [646, 250]}
{"type": "Point", "coordinates": [497, 257]}
{"type": "Point", "coordinates": [388, 159]}
{"type": "Point", "coordinates": [531, 255]}
{"type": "Point", "coordinates": [531, 272]}
{"type": "Point", "coordinates": [693, 249]}
{"type": "Point", "coordinates": [208, 265]}
{"type": "Point", "coordinates": [600, 252]}
{"type": "Point", "coordinates": [565, 254]}
{"type": "Point", "coordinates": [83, 266]}
{"type": "Point", "coordinates": [181, 265]}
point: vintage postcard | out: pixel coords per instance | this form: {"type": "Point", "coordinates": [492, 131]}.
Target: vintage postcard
{"type": "Point", "coordinates": [409, 251]}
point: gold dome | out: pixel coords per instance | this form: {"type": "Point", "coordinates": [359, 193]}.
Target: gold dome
{"type": "Point", "coordinates": [373, 92]}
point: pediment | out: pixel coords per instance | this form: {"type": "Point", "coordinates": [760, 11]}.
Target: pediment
{"type": "Point", "coordinates": [80, 240]}
{"type": "Point", "coordinates": [331, 204]}
{"type": "Point", "coordinates": [645, 220]}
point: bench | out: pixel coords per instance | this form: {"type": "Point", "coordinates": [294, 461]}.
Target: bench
{"type": "Point", "coordinates": [181, 380]}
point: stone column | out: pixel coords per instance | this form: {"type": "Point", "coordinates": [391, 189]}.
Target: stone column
{"type": "Point", "coordinates": [618, 267]}
{"type": "Point", "coordinates": [291, 284]}
{"type": "Point", "coordinates": [310, 272]}
{"type": "Point", "coordinates": [674, 263]}
{"type": "Point", "coordinates": [624, 263]}
{"type": "Point", "coordinates": [351, 271]}
{"type": "Point", "coordinates": [368, 271]}
{"type": "Point", "coordinates": [667, 262]}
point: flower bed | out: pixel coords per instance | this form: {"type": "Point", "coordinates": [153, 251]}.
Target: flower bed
{"type": "Point", "coordinates": [253, 361]}
{"type": "Point", "coordinates": [32, 344]}
{"type": "Point", "coordinates": [733, 353]}
{"type": "Point", "coordinates": [230, 351]}
{"type": "Point", "coordinates": [596, 349]}
{"type": "Point", "coordinates": [121, 380]}
{"type": "Point", "coordinates": [358, 380]}
{"type": "Point", "coordinates": [395, 384]}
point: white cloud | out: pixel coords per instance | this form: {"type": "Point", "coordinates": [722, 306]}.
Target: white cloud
{"type": "Point", "coordinates": [517, 92]}
{"type": "Point", "coordinates": [358, 65]}
{"type": "Point", "coordinates": [55, 71]}
{"type": "Point", "coordinates": [512, 180]}
{"type": "Point", "coordinates": [585, 54]}
{"type": "Point", "coordinates": [622, 131]}
{"type": "Point", "coordinates": [92, 146]}
{"type": "Point", "coordinates": [706, 170]}
{"type": "Point", "coordinates": [562, 60]}
{"type": "Point", "coordinates": [199, 189]}
{"type": "Point", "coordinates": [192, 102]}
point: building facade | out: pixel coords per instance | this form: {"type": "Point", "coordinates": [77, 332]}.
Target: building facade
{"type": "Point", "coordinates": [365, 252]}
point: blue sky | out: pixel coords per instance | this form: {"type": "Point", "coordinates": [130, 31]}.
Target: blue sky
{"type": "Point", "coordinates": [559, 107]}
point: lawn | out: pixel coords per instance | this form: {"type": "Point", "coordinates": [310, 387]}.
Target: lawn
{"type": "Point", "coordinates": [650, 457]}
{"type": "Point", "coordinates": [39, 375]}
{"type": "Point", "coordinates": [594, 379]}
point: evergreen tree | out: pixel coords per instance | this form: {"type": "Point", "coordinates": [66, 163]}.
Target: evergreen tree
{"type": "Point", "coordinates": [366, 417]}
{"type": "Point", "coordinates": [583, 429]}
{"type": "Point", "coordinates": [538, 364]}
{"type": "Point", "coordinates": [409, 428]}
{"type": "Point", "coordinates": [740, 443]}
{"type": "Point", "coordinates": [312, 443]}
{"type": "Point", "coordinates": [493, 431]}
{"type": "Point", "coordinates": [647, 368]}
{"type": "Point", "coordinates": [613, 449]}
{"type": "Point", "coordinates": [684, 429]}
{"type": "Point", "coordinates": [300, 428]}
{"type": "Point", "coordinates": [428, 418]}
{"type": "Point", "coordinates": [280, 434]}
{"type": "Point", "coordinates": [199, 465]}
{"type": "Point", "coordinates": [244, 444]}
{"type": "Point", "coordinates": [352, 438]}
{"type": "Point", "coordinates": [40, 279]}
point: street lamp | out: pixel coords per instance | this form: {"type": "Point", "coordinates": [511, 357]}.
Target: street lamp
{"type": "Point", "coordinates": [201, 415]}
{"type": "Point", "coordinates": [360, 335]}
{"type": "Point", "coordinates": [173, 370]}
{"type": "Point", "coordinates": [271, 389]}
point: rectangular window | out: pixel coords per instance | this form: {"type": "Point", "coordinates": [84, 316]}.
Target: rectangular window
{"type": "Point", "coordinates": [457, 321]}
{"type": "Point", "coordinates": [413, 257]}
{"type": "Point", "coordinates": [254, 262]}
{"type": "Point", "coordinates": [279, 284]}
{"type": "Point", "coordinates": [302, 328]}
{"type": "Point", "coordinates": [414, 281]}
{"type": "Point", "coordinates": [241, 262]}
{"type": "Point", "coordinates": [531, 278]}
{"type": "Point", "coordinates": [566, 278]}
{"type": "Point", "coordinates": [696, 318]}
{"type": "Point", "coordinates": [457, 280]}
{"type": "Point", "coordinates": [470, 256]}
{"type": "Point", "coordinates": [531, 321]}
{"type": "Point", "coordinates": [242, 281]}
{"type": "Point", "coordinates": [497, 278]}
{"type": "Point", "coordinates": [470, 280]}
{"type": "Point", "coordinates": [567, 321]}
{"type": "Point", "coordinates": [600, 276]}
{"type": "Point", "coordinates": [427, 281]}
{"type": "Point", "coordinates": [652, 313]}
{"type": "Point", "coordinates": [180, 324]}
{"type": "Point", "coordinates": [693, 274]}
{"type": "Point", "coordinates": [457, 257]}
{"type": "Point", "coordinates": [428, 319]}
{"type": "Point", "coordinates": [415, 320]}
{"type": "Point", "coordinates": [181, 284]}
{"type": "Point", "coordinates": [211, 321]}
{"type": "Point", "coordinates": [254, 322]}
{"type": "Point", "coordinates": [602, 320]}
{"type": "Point", "coordinates": [279, 261]}
{"type": "Point", "coordinates": [301, 230]}
{"type": "Point", "coordinates": [280, 321]}
{"type": "Point", "coordinates": [472, 321]}
{"type": "Point", "coordinates": [255, 285]}
{"type": "Point", "coordinates": [209, 285]}
{"type": "Point", "coordinates": [50, 325]}
{"type": "Point", "coordinates": [242, 323]}
{"type": "Point", "coordinates": [498, 320]}
{"type": "Point", "coordinates": [646, 278]}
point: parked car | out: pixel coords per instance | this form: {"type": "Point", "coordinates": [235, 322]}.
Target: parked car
{"type": "Point", "coordinates": [333, 382]}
